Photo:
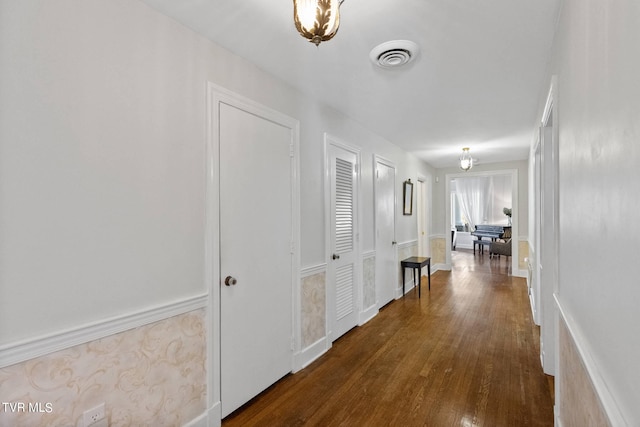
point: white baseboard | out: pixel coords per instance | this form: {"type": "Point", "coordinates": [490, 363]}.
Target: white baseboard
{"type": "Point", "coordinates": [440, 266]}
{"type": "Point", "coordinates": [311, 353]}
{"type": "Point", "coordinates": [534, 313]}
{"type": "Point", "coordinates": [521, 273]}
{"type": "Point", "coordinates": [210, 418]}
{"type": "Point", "coordinates": [368, 314]}
{"type": "Point", "coordinates": [408, 285]}
{"type": "Point", "coordinates": [435, 268]}
{"type": "Point", "coordinates": [29, 349]}
{"type": "Point", "coordinates": [201, 421]}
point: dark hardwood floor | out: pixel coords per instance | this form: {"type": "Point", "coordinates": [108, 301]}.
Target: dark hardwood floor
{"type": "Point", "coordinates": [465, 354]}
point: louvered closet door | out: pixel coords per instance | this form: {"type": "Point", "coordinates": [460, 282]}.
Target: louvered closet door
{"type": "Point", "coordinates": [342, 271]}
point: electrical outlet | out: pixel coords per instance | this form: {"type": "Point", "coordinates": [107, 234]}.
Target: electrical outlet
{"type": "Point", "coordinates": [93, 415]}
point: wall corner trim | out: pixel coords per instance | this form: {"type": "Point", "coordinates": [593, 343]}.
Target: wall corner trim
{"type": "Point", "coordinates": [25, 350]}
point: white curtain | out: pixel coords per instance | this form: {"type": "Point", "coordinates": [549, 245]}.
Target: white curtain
{"type": "Point", "coordinates": [474, 197]}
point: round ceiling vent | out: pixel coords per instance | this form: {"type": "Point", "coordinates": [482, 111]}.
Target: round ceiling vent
{"type": "Point", "coordinates": [394, 53]}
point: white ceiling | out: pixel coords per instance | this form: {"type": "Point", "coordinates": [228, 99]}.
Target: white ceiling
{"type": "Point", "coordinates": [476, 81]}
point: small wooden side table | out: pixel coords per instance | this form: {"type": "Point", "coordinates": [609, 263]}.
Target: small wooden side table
{"type": "Point", "coordinates": [416, 263]}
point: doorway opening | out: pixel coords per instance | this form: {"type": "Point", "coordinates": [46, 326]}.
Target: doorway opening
{"type": "Point", "coordinates": [481, 199]}
{"type": "Point", "coordinates": [423, 225]}
{"type": "Point", "coordinates": [546, 233]}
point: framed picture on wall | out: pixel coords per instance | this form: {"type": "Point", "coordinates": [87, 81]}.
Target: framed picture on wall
{"type": "Point", "coordinates": [407, 197]}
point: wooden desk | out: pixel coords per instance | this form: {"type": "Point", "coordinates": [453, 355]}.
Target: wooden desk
{"type": "Point", "coordinates": [416, 263]}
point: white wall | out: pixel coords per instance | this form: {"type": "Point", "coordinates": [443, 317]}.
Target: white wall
{"type": "Point", "coordinates": [597, 62]}
{"type": "Point", "coordinates": [101, 164]}
{"type": "Point", "coordinates": [102, 161]}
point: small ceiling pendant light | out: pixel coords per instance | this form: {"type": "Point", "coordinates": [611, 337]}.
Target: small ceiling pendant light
{"type": "Point", "coordinates": [317, 20]}
{"type": "Point", "coordinates": [466, 162]}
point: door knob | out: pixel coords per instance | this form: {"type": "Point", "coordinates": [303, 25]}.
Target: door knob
{"type": "Point", "coordinates": [336, 256]}
{"type": "Point", "coordinates": [394, 242]}
{"type": "Point", "coordinates": [230, 281]}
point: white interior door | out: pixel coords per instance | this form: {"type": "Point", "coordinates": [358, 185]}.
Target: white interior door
{"type": "Point", "coordinates": [255, 253]}
{"type": "Point", "coordinates": [386, 248]}
{"type": "Point", "coordinates": [343, 264]}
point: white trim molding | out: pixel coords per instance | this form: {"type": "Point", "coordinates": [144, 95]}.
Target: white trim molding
{"type": "Point", "coordinates": [368, 314]}
{"type": "Point", "coordinates": [206, 419]}
{"type": "Point", "coordinates": [21, 351]}
{"type": "Point", "coordinates": [408, 244]}
{"type": "Point", "coordinates": [313, 270]}
{"type": "Point", "coordinates": [438, 267]}
{"type": "Point", "coordinates": [309, 354]}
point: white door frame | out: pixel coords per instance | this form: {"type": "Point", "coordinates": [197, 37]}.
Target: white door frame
{"type": "Point", "coordinates": [537, 224]}
{"type": "Point", "coordinates": [217, 95]}
{"type": "Point", "coordinates": [329, 308]}
{"type": "Point", "coordinates": [422, 213]}
{"type": "Point", "coordinates": [549, 237]}
{"type": "Point", "coordinates": [514, 207]}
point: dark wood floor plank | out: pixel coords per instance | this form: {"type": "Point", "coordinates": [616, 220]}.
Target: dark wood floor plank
{"type": "Point", "coordinates": [465, 354]}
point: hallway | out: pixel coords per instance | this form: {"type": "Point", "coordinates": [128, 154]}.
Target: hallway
{"type": "Point", "coordinates": [465, 354]}
{"type": "Point", "coordinates": [464, 260]}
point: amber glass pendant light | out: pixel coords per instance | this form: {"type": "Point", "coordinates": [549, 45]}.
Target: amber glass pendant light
{"type": "Point", "coordinates": [317, 20]}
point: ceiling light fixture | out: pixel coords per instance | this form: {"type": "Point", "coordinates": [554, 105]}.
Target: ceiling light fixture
{"type": "Point", "coordinates": [317, 20]}
{"type": "Point", "coordinates": [466, 161]}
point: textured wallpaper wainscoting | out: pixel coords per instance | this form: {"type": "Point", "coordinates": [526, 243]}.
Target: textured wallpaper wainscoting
{"type": "Point", "coordinates": [523, 252]}
{"type": "Point", "coordinates": [369, 280]}
{"type": "Point", "coordinates": [438, 250]}
{"type": "Point", "coordinates": [313, 306]}
{"type": "Point", "coordinates": [579, 401]}
{"type": "Point", "coordinates": [153, 375]}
